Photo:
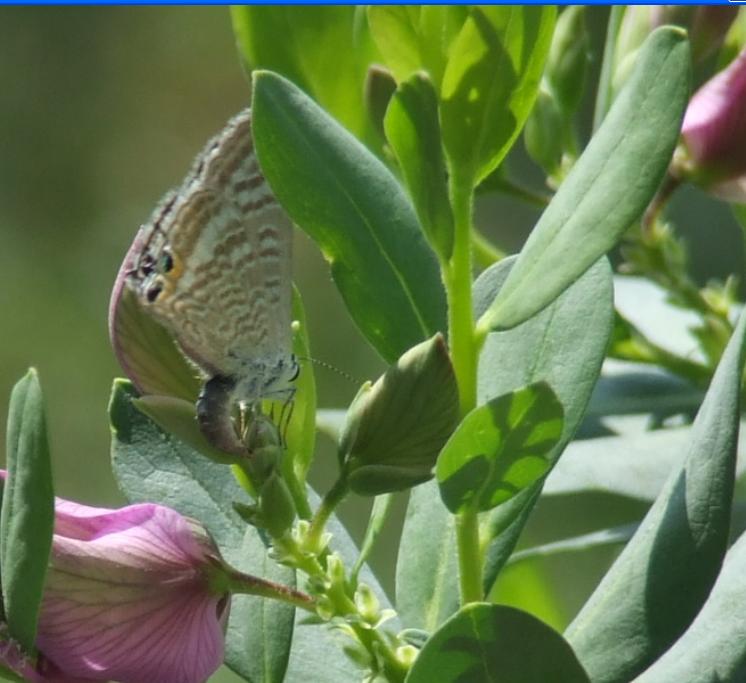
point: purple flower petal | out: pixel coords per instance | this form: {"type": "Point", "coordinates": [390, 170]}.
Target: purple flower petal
{"type": "Point", "coordinates": [714, 127]}
{"type": "Point", "coordinates": [127, 597]}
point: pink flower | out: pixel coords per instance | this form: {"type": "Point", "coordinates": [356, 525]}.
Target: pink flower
{"type": "Point", "coordinates": [13, 659]}
{"type": "Point", "coordinates": [714, 134]}
{"type": "Point", "coordinates": [136, 595]}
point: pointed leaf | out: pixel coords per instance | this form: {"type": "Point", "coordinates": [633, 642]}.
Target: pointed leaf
{"type": "Point", "coordinates": [179, 418]}
{"type": "Point", "coordinates": [714, 646]}
{"type": "Point", "coordinates": [496, 643]}
{"type": "Point", "coordinates": [564, 345]}
{"type": "Point", "coordinates": [556, 346]}
{"type": "Point", "coordinates": [500, 449]}
{"type": "Point", "coordinates": [490, 83]}
{"type": "Point", "coordinates": [357, 213]}
{"type": "Point", "coordinates": [659, 582]}
{"type": "Point", "coordinates": [608, 188]}
{"type": "Point", "coordinates": [413, 131]}
{"type": "Point", "coordinates": [301, 432]}
{"type": "Point", "coordinates": [27, 517]}
{"type": "Point", "coordinates": [427, 573]}
{"type": "Point", "coordinates": [304, 44]}
{"type": "Point", "coordinates": [413, 37]}
{"type": "Point", "coordinates": [395, 30]}
{"type": "Point", "coordinates": [151, 465]}
{"type": "Point", "coordinates": [634, 465]}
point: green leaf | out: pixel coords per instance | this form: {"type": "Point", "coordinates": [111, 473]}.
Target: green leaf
{"type": "Point", "coordinates": [499, 449]}
{"type": "Point", "coordinates": [413, 131]}
{"type": "Point", "coordinates": [608, 188]}
{"type": "Point", "coordinates": [617, 535]}
{"type": "Point", "coordinates": [260, 632]}
{"type": "Point", "coordinates": [658, 584]}
{"type": "Point", "coordinates": [634, 465]}
{"type": "Point", "coordinates": [395, 30]}
{"type": "Point", "coordinates": [301, 432]}
{"type": "Point", "coordinates": [439, 26]}
{"type": "Point", "coordinates": [146, 350]}
{"type": "Point", "coordinates": [714, 646]}
{"type": "Point", "coordinates": [151, 465]}
{"type": "Point", "coordinates": [555, 346]}
{"type": "Point", "coordinates": [413, 37]}
{"type": "Point", "coordinates": [496, 643]}
{"type": "Point", "coordinates": [357, 213]}
{"type": "Point", "coordinates": [304, 44]}
{"type": "Point", "coordinates": [427, 591]}
{"type": "Point", "coordinates": [179, 418]}
{"type": "Point", "coordinates": [395, 429]}
{"type": "Point", "coordinates": [490, 83]}
{"type": "Point", "coordinates": [27, 519]}
{"type": "Point", "coordinates": [564, 346]}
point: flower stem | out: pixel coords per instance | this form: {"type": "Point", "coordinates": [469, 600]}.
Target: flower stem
{"type": "Point", "coordinates": [469, 556]}
{"type": "Point", "coordinates": [330, 501]}
{"type": "Point", "coordinates": [246, 584]}
{"type": "Point", "coordinates": [464, 353]}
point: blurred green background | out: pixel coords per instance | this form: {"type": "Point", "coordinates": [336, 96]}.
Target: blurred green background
{"type": "Point", "coordinates": [101, 111]}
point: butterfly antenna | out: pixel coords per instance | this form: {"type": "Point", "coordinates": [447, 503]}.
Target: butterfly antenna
{"type": "Point", "coordinates": [329, 366]}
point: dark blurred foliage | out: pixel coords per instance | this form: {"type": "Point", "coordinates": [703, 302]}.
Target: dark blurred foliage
{"type": "Point", "coordinates": [101, 111]}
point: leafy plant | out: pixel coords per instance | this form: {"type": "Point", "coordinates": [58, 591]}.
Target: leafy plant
{"type": "Point", "coordinates": [494, 383]}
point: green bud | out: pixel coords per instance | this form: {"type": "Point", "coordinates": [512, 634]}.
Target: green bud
{"type": "Point", "coordinates": [395, 430]}
{"type": "Point", "coordinates": [378, 90]}
{"type": "Point", "coordinates": [324, 608]}
{"type": "Point", "coordinates": [265, 461]}
{"type": "Point", "coordinates": [352, 422]}
{"type": "Point", "coordinates": [569, 58]}
{"type": "Point", "coordinates": [262, 432]}
{"type": "Point", "coordinates": [544, 132]}
{"type": "Point", "coordinates": [276, 504]}
{"type": "Point", "coordinates": [335, 569]}
{"type": "Point", "coordinates": [367, 604]}
{"type": "Point", "coordinates": [406, 654]}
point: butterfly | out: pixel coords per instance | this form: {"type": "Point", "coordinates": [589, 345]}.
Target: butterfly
{"type": "Point", "coordinates": [213, 266]}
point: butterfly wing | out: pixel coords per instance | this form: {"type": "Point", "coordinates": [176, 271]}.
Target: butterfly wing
{"type": "Point", "coordinates": [215, 267]}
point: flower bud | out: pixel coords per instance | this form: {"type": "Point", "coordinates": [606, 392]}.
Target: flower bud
{"type": "Point", "coordinates": [568, 58]}
{"type": "Point", "coordinates": [713, 153]}
{"type": "Point", "coordinates": [132, 595]}
{"type": "Point", "coordinates": [277, 506]}
{"type": "Point", "coordinates": [378, 90]}
{"type": "Point", "coordinates": [544, 132]}
{"type": "Point", "coordinates": [395, 430]}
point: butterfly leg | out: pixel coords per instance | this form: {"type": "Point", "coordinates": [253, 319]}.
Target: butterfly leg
{"type": "Point", "coordinates": [214, 407]}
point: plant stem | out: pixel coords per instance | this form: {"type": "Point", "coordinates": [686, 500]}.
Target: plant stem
{"type": "Point", "coordinates": [332, 498]}
{"type": "Point", "coordinates": [464, 357]}
{"type": "Point", "coordinates": [246, 584]}
{"type": "Point", "coordinates": [469, 556]}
